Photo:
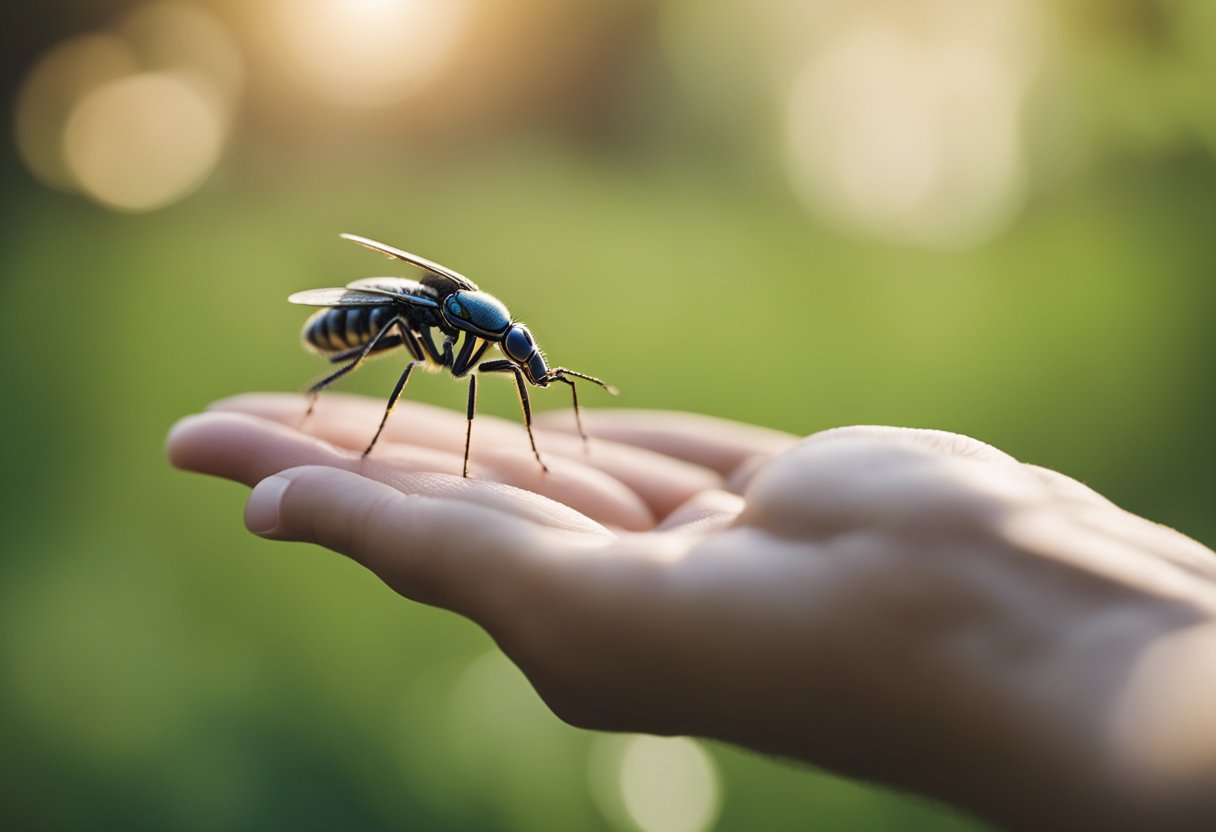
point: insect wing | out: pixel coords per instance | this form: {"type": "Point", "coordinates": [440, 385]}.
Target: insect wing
{"type": "Point", "coordinates": [336, 297]}
{"type": "Point", "coordinates": [420, 262]}
{"type": "Point", "coordinates": [400, 289]}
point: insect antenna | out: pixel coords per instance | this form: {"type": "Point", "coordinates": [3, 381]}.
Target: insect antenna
{"type": "Point", "coordinates": [562, 371]}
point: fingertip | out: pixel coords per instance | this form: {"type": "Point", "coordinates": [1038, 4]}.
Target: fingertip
{"type": "Point", "coordinates": [243, 447]}
{"type": "Point", "coordinates": [185, 439]}
{"type": "Point", "coordinates": [305, 502]}
{"type": "Point", "coordinates": [422, 537]}
{"type": "Point", "coordinates": [176, 436]}
{"type": "Point", "coordinates": [263, 507]}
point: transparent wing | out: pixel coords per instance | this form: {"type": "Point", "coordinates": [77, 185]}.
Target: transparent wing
{"type": "Point", "coordinates": [336, 297]}
{"type": "Point", "coordinates": [398, 288]}
{"type": "Point", "coordinates": [420, 262]}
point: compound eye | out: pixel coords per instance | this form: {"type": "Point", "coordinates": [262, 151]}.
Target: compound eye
{"type": "Point", "coordinates": [518, 344]}
{"type": "Point", "coordinates": [456, 307]}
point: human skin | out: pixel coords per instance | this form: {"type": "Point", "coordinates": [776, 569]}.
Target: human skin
{"type": "Point", "coordinates": [909, 607]}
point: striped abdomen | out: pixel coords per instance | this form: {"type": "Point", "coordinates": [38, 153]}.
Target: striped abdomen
{"type": "Point", "coordinates": [346, 327]}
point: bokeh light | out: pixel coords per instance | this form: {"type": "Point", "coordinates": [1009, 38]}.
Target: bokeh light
{"type": "Point", "coordinates": [513, 753]}
{"type": "Point", "coordinates": [52, 89]}
{"type": "Point", "coordinates": [908, 125]}
{"type": "Point", "coordinates": [191, 42]}
{"type": "Point", "coordinates": [656, 784]}
{"type": "Point", "coordinates": [143, 141]}
{"type": "Point", "coordinates": [365, 53]}
{"type": "Point", "coordinates": [135, 117]}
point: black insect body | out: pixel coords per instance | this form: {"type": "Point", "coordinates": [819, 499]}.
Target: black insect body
{"type": "Point", "coordinates": [377, 314]}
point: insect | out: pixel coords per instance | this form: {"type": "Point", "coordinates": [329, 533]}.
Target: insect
{"type": "Point", "coordinates": [376, 314]}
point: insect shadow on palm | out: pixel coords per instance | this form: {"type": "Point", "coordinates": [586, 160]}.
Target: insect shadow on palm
{"type": "Point", "coordinates": [377, 314]}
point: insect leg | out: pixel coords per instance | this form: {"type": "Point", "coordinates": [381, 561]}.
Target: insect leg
{"type": "Point", "coordinates": [411, 344]}
{"type": "Point", "coordinates": [410, 341]}
{"type": "Point", "coordinates": [524, 403]}
{"type": "Point", "coordinates": [468, 434]}
{"type": "Point", "coordinates": [481, 350]}
{"type": "Point", "coordinates": [386, 343]}
{"type": "Point", "coordinates": [364, 352]}
{"type": "Point", "coordinates": [471, 351]}
{"type": "Point", "coordinates": [392, 402]}
{"type": "Point", "coordinates": [560, 374]}
{"type": "Point", "coordinates": [428, 343]}
{"type": "Point", "coordinates": [578, 419]}
{"type": "Point", "coordinates": [464, 359]}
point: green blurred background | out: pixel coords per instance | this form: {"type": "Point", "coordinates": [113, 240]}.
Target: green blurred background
{"type": "Point", "coordinates": [994, 218]}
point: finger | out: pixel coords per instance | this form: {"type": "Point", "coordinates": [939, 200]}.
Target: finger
{"type": "Point", "coordinates": [717, 444]}
{"type": "Point", "coordinates": [248, 449]}
{"type": "Point", "coordinates": [707, 511]}
{"type": "Point", "coordinates": [425, 544]}
{"type": "Point", "coordinates": [660, 481]}
{"type": "Point", "coordinates": [353, 419]}
{"type": "Point", "coordinates": [739, 479]}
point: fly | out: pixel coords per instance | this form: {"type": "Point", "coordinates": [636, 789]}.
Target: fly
{"type": "Point", "coordinates": [377, 314]}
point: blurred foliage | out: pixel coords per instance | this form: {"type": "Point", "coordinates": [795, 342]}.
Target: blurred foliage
{"type": "Point", "coordinates": [159, 668]}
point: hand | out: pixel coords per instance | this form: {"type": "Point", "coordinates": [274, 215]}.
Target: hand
{"type": "Point", "coordinates": [913, 607]}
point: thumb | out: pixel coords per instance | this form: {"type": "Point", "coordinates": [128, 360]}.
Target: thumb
{"type": "Point", "coordinates": [431, 548]}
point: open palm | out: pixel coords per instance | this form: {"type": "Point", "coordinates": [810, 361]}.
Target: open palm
{"type": "Point", "coordinates": [888, 603]}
